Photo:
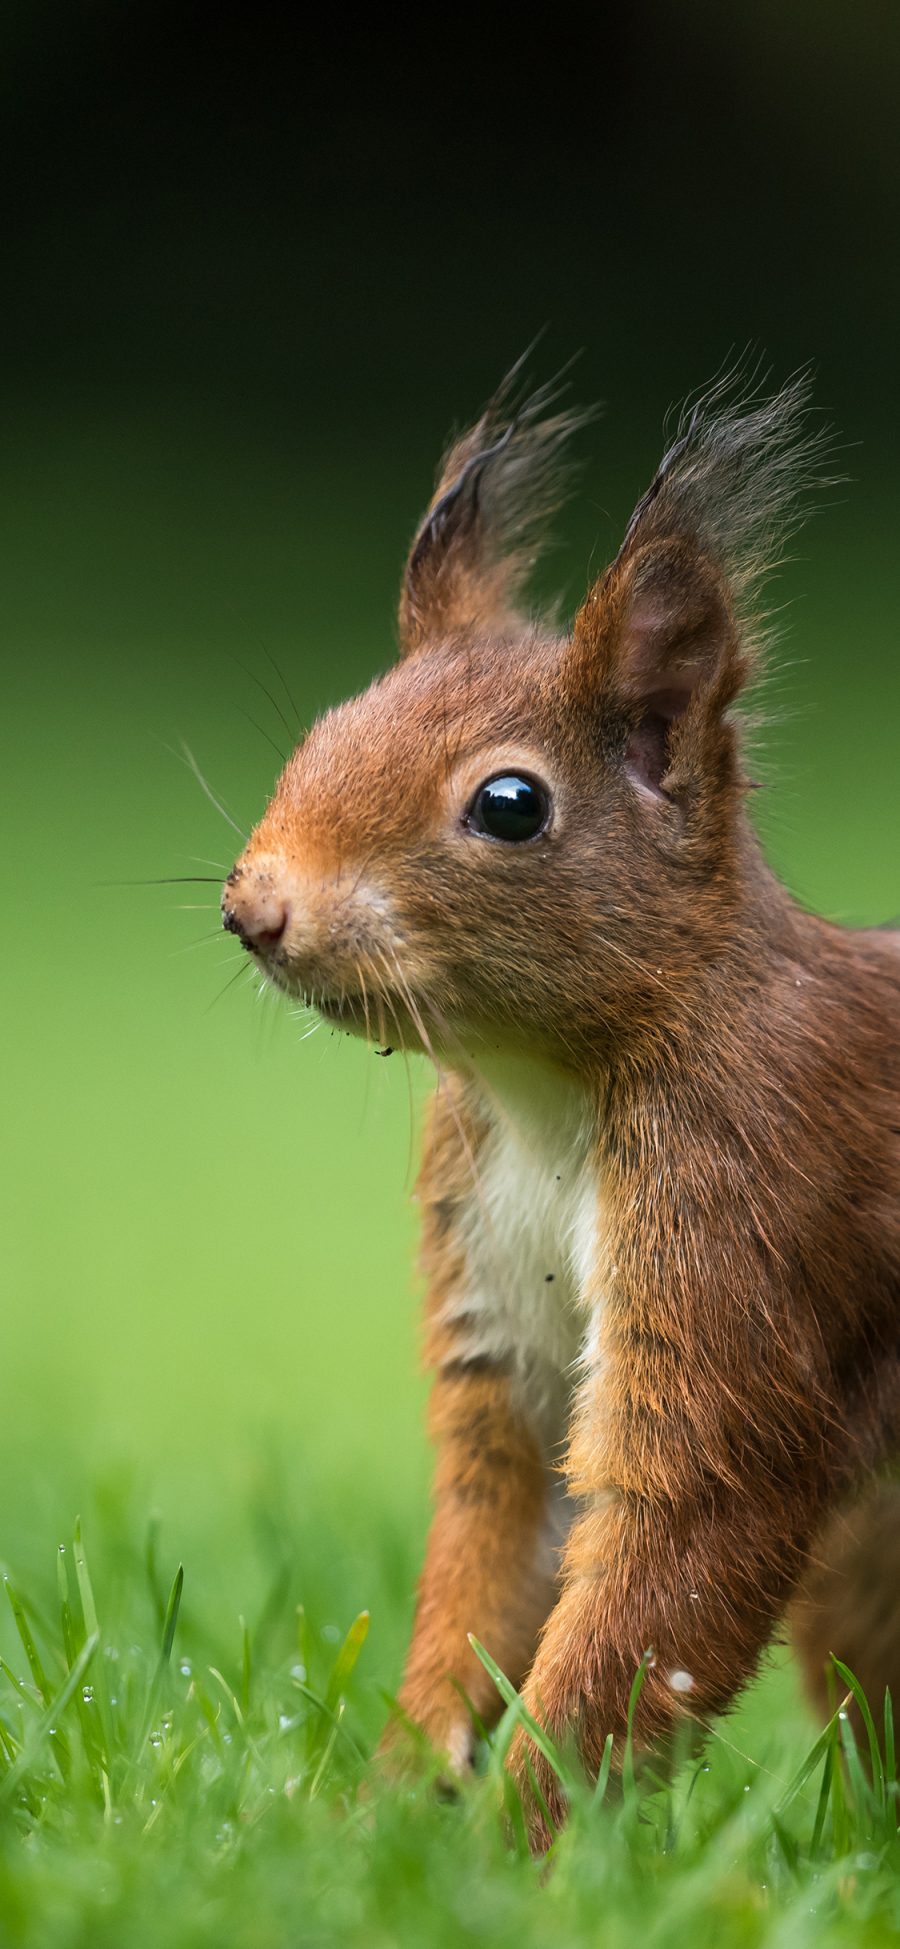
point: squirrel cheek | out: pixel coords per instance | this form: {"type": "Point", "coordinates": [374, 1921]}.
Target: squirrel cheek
{"type": "Point", "coordinates": [345, 931]}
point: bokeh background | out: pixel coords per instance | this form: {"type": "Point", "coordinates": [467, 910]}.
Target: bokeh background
{"type": "Point", "coordinates": [252, 276]}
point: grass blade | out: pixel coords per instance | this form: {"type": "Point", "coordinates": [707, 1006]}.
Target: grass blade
{"type": "Point", "coordinates": [28, 1645]}
{"type": "Point", "coordinates": [840, 1818]}
{"type": "Point", "coordinates": [171, 1619]}
{"type": "Point", "coordinates": [815, 1846]}
{"type": "Point", "coordinates": [17, 1683]}
{"type": "Point", "coordinates": [49, 1718]}
{"type": "Point", "coordinates": [865, 1714]}
{"type": "Point", "coordinates": [327, 1751]}
{"type": "Point", "coordinates": [312, 1698]}
{"type": "Point", "coordinates": [540, 1799]}
{"type": "Point", "coordinates": [890, 1757]}
{"type": "Point", "coordinates": [346, 1659]}
{"type": "Point", "coordinates": [535, 1731]}
{"type": "Point", "coordinates": [92, 1629]}
{"type": "Point", "coordinates": [156, 1684]}
{"type": "Point", "coordinates": [863, 1796]}
{"type": "Point", "coordinates": [71, 1649]}
{"type": "Point", "coordinates": [637, 1686]}
{"type": "Point", "coordinates": [602, 1781]}
{"type": "Point", "coordinates": [814, 1758]}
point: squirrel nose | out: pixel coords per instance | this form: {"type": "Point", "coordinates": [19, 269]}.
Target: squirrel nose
{"type": "Point", "coordinates": [255, 913]}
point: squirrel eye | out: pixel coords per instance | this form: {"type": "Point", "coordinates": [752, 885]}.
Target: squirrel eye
{"type": "Point", "coordinates": [509, 808]}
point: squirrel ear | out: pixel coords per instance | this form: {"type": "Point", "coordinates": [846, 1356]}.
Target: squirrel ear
{"type": "Point", "coordinates": [659, 625]}
{"type": "Point", "coordinates": [486, 523]}
{"type": "Point", "coordinates": [655, 634]}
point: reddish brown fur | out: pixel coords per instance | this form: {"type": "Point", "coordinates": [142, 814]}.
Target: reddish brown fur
{"type": "Point", "coordinates": [738, 1057]}
{"type": "Point", "coordinates": [849, 1599]}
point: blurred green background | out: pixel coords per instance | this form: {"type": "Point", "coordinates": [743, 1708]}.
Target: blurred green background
{"type": "Point", "coordinates": [251, 280]}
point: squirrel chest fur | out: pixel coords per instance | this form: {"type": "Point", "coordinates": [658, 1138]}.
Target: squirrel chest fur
{"type": "Point", "coordinates": [523, 1262]}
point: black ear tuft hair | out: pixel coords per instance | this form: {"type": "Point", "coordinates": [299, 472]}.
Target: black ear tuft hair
{"type": "Point", "coordinates": [737, 479]}
{"type": "Point", "coordinates": [487, 522]}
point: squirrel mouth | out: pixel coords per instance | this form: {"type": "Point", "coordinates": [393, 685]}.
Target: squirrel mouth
{"type": "Point", "coordinates": [375, 1016]}
{"type": "Point", "coordinates": [344, 1006]}
{"type": "Point", "coordinates": [383, 1020]}
{"type": "Point", "coordinates": [345, 1011]}
{"type": "Point", "coordinates": [379, 1019]}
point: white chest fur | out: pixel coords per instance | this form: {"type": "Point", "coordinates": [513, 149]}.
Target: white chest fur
{"type": "Point", "coordinates": [531, 1243]}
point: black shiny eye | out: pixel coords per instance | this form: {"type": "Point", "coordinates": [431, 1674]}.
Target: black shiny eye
{"type": "Point", "coordinates": [510, 808]}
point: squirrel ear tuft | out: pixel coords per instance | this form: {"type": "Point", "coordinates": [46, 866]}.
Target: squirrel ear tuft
{"type": "Point", "coordinates": [486, 524]}
{"type": "Point", "coordinates": [675, 621]}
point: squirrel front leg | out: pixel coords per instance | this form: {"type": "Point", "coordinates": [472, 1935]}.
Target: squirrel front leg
{"type": "Point", "coordinates": [699, 1485]}
{"type": "Point", "coordinates": [488, 1567]}
{"type": "Point", "coordinates": [491, 1568]}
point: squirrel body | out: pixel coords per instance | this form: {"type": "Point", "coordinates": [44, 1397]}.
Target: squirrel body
{"type": "Point", "coordinates": [660, 1211]}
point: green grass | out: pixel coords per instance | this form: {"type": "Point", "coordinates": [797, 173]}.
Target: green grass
{"type": "Point", "coordinates": [174, 1774]}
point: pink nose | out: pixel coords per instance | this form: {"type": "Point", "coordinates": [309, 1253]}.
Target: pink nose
{"type": "Point", "coordinates": [253, 911]}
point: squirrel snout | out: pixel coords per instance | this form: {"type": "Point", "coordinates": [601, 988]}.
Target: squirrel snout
{"type": "Point", "coordinates": [309, 935]}
{"type": "Point", "coordinates": [255, 912]}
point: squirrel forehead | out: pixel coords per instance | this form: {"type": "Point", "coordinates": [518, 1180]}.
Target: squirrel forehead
{"type": "Point", "coordinates": [377, 769]}
{"type": "Point", "coordinates": [386, 756]}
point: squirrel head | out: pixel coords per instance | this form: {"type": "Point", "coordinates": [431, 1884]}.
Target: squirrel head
{"type": "Point", "coordinates": [524, 837]}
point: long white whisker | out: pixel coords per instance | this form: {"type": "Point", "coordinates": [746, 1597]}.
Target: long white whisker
{"type": "Point", "coordinates": [204, 941]}
{"type": "Point", "coordinates": [192, 765]}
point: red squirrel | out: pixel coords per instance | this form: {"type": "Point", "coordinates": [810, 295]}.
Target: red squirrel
{"type": "Point", "coordinates": [660, 1191]}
